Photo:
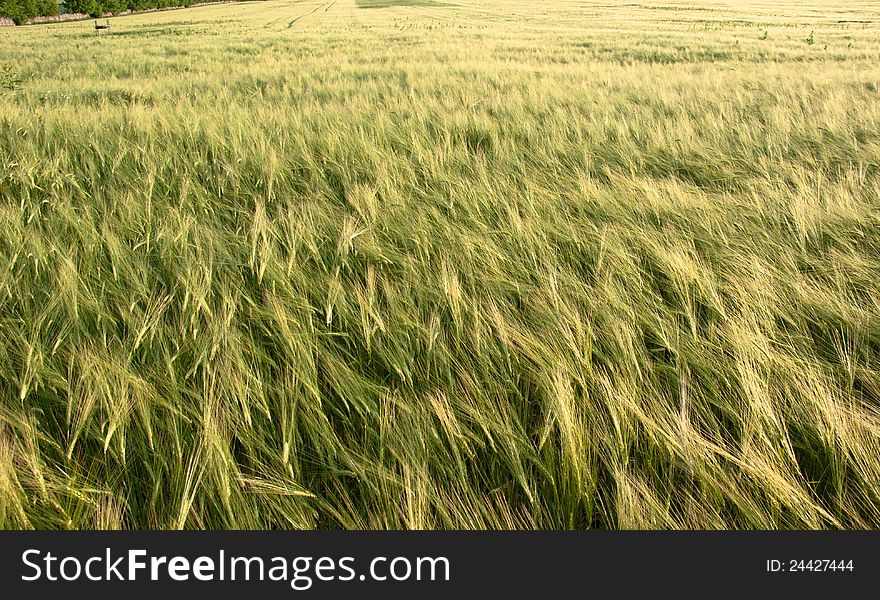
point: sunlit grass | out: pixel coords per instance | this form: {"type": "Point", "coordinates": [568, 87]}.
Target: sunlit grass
{"type": "Point", "coordinates": [464, 265]}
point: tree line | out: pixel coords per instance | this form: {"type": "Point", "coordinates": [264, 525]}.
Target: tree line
{"type": "Point", "coordinates": [21, 11]}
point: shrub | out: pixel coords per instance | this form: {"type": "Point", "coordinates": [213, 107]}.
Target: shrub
{"type": "Point", "coordinates": [9, 79]}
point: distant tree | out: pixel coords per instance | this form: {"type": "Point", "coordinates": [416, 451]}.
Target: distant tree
{"type": "Point", "coordinates": [91, 7]}
{"type": "Point", "coordinates": [113, 6]}
{"type": "Point", "coordinates": [11, 10]}
{"type": "Point", "coordinates": [48, 8]}
{"type": "Point", "coordinates": [19, 10]}
{"type": "Point", "coordinates": [22, 10]}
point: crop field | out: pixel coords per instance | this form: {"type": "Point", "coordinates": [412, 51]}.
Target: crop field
{"type": "Point", "coordinates": [443, 264]}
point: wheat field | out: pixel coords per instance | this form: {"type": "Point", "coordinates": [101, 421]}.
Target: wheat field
{"type": "Point", "coordinates": [423, 264]}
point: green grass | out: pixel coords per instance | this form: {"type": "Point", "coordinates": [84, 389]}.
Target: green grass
{"type": "Point", "coordinates": [494, 265]}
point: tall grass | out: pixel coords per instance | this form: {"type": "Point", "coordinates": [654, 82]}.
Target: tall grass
{"type": "Point", "coordinates": [476, 265]}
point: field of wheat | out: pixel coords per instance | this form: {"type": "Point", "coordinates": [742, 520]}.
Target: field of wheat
{"type": "Point", "coordinates": [443, 264]}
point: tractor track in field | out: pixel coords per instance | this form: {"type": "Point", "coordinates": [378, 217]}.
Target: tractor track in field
{"type": "Point", "coordinates": [273, 22]}
{"type": "Point", "coordinates": [326, 6]}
